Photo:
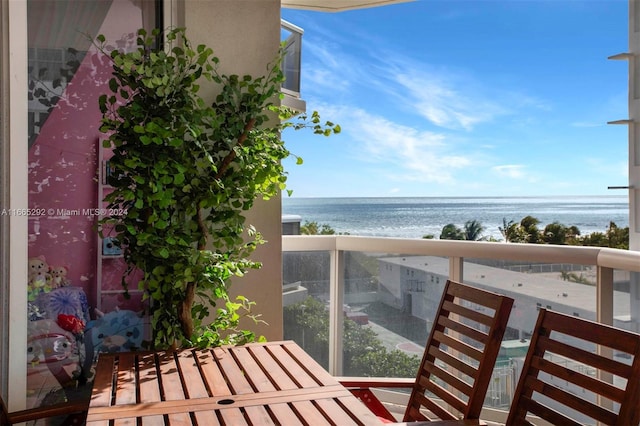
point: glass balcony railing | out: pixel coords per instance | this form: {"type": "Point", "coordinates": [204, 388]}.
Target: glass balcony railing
{"type": "Point", "coordinates": [363, 306]}
{"type": "Point", "coordinates": [291, 36]}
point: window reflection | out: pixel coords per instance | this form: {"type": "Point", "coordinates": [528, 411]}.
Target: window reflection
{"type": "Point", "coordinates": [66, 78]}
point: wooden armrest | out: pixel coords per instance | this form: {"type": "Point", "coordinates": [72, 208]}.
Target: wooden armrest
{"type": "Point", "coordinates": [461, 422]}
{"type": "Point", "coordinates": [376, 382]}
{"type": "Point", "coordinates": [47, 411]}
{"type": "Point", "coordinates": [360, 387]}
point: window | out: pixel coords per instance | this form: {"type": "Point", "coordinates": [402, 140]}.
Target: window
{"type": "Point", "coordinates": [65, 79]}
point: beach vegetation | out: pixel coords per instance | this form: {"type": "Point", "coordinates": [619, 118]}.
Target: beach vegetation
{"type": "Point", "coordinates": [557, 233]}
{"type": "Point", "coordinates": [530, 230]}
{"type": "Point", "coordinates": [313, 228]}
{"type": "Point", "coordinates": [511, 231]}
{"type": "Point", "coordinates": [451, 232]}
{"type": "Point", "coordinates": [613, 237]}
{"type": "Point", "coordinates": [473, 230]}
{"type": "Point", "coordinates": [524, 231]}
{"type": "Point", "coordinates": [576, 278]}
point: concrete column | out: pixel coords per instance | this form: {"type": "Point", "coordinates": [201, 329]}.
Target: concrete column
{"type": "Point", "coordinates": [245, 36]}
{"type": "Point", "coordinates": [634, 126]}
{"type": "Point", "coordinates": [634, 149]}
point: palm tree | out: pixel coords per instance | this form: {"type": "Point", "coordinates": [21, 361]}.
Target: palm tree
{"type": "Point", "coordinates": [309, 228]}
{"type": "Point", "coordinates": [452, 232]}
{"type": "Point", "coordinates": [529, 226]}
{"type": "Point", "coordinates": [555, 233]}
{"type": "Point", "coordinates": [618, 237]}
{"type": "Point", "coordinates": [573, 233]}
{"type": "Point", "coordinates": [313, 228]}
{"type": "Point", "coordinates": [510, 231]}
{"type": "Point", "coordinates": [473, 230]}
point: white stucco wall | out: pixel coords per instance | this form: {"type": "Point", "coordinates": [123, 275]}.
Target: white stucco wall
{"type": "Point", "coordinates": [245, 36]}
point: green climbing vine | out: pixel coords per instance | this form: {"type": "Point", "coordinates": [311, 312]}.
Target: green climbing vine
{"type": "Point", "coordinates": [185, 172]}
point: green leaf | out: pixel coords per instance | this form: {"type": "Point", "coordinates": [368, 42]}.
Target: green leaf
{"type": "Point", "coordinates": [102, 101]}
{"type": "Point", "coordinates": [113, 85]}
{"type": "Point", "coordinates": [178, 179]}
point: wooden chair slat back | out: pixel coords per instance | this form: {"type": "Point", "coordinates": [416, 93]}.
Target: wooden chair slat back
{"type": "Point", "coordinates": [562, 365]}
{"type": "Point", "coordinates": [446, 341]}
{"type": "Point", "coordinates": [460, 353]}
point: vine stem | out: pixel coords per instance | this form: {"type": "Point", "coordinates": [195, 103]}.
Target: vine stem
{"type": "Point", "coordinates": [221, 171]}
{"type": "Point", "coordinates": [232, 153]}
{"type": "Point", "coordinates": [186, 320]}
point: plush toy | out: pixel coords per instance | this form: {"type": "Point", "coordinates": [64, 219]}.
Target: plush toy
{"type": "Point", "coordinates": [39, 277]}
{"type": "Point", "coordinates": [51, 350]}
{"type": "Point", "coordinates": [38, 267]}
{"type": "Point", "coordinates": [59, 276]}
{"type": "Point", "coordinates": [48, 342]}
{"type": "Point", "coordinates": [71, 323]}
{"type": "Point", "coordinates": [115, 331]}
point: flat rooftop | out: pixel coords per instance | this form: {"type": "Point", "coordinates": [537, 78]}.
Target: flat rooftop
{"type": "Point", "coordinates": [547, 288]}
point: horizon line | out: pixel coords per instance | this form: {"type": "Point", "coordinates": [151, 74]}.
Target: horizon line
{"type": "Point", "coordinates": [455, 196]}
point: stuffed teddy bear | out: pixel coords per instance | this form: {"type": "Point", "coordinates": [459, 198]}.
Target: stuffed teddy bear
{"type": "Point", "coordinates": [59, 276]}
{"type": "Point", "coordinates": [39, 277]}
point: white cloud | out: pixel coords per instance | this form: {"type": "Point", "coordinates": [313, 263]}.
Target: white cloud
{"type": "Point", "coordinates": [321, 79]}
{"type": "Point", "coordinates": [512, 171]}
{"type": "Point", "coordinates": [586, 124]}
{"type": "Point", "coordinates": [330, 69]}
{"type": "Point", "coordinates": [453, 99]}
{"type": "Point", "coordinates": [406, 153]}
{"type": "Point", "coordinates": [448, 104]}
{"type": "Point", "coordinates": [324, 73]}
{"type": "Point", "coordinates": [617, 170]}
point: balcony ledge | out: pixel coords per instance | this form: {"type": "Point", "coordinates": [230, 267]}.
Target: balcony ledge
{"type": "Point", "coordinates": [293, 101]}
{"type": "Point", "coordinates": [337, 5]}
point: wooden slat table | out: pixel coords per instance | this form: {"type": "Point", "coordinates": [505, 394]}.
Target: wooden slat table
{"type": "Point", "coordinates": [258, 383]}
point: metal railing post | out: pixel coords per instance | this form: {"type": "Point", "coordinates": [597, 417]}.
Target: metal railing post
{"type": "Point", "coordinates": [604, 295]}
{"type": "Point", "coordinates": [336, 314]}
{"type": "Point", "coordinates": [456, 268]}
{"type": "Point", "coordinates": [604, 315]}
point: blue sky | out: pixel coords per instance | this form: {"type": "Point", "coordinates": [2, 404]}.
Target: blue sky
{"type": "Point", "coordinates": [464, 98]}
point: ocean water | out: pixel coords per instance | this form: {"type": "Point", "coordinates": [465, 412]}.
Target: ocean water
{"type": "Point", "coordinates": [416, 217]}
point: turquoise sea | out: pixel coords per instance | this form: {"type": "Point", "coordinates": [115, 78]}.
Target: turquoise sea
{"type": "Point", "coordinates": [415, 217]}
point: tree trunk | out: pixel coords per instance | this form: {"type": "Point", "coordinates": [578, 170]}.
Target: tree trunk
{"type": "Point", "coordinates": [184, 310]}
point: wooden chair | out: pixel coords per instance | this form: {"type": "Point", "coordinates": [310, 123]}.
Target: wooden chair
{"type": "Point", "coordinates": [458, 359]}
{"type": "Point", "coordinates": [76, 412]}
{"type": "Point", "coordinates": [560, 377]}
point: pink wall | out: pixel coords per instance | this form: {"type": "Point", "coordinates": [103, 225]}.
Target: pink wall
{"type": "Point", "coordinates": [62, 176]}
{"type": "Point", "coordinates": [63, 167]}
